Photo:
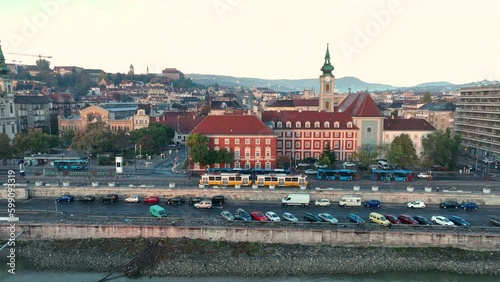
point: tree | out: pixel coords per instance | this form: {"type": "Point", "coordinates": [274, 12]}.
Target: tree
{"type": "Point", "coordinates": [161, 135]}
{"type": "Point", "coordinates": [441, 148]}
{"type": "Point", "coordinates": [34, 140]}
{"type": "Point", "coordinates": [283, 162]}
{"type": "Point", "coordinates": [328, 157]}
{"type": "Point", "coordinates": [122, 140]}
{"type": "Point", "coordinates": [6, 150]}
{"type": "Point", "coordinates": [198, 147]}
{"type": "Point", "coordinates": [96, 138]}
{"type": "Point", "coordinates": [224, 157]}
{"type": "Point", "coordinates": [427, 97]}
{"type": "Point", "coordinates": [365, 154]}
{"type": "Point", "coordinates": [67, 137]}
{"type": "Point", "coordinates": [403, 151]}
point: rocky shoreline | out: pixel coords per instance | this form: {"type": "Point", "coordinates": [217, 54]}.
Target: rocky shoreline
{"type": "Point", "coordinates": [195, 258]}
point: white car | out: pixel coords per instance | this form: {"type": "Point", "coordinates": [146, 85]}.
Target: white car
{"type": "Point", "coordinates": [272, 216]}
{"type": "Point", "coordinates": [132, 199]}
{"type": "Point", "coordinates": [310, 171]}
{"type": "Point", "coordinates": [441, 220]}
{"type": "Point", "coordinates": [416, 205]}
{"type": "Point", "coordinates": [326, 217]}
{"type": "Point", "coordinates": [423, 175]}
{"type": "Point", "coordinates": [320, 166]}
{"type": "Point", "coordinates": [290, 217]}
{"type": "Point", "coordinates": [205, 204]}
{"type": "Point", "coordinates": [227, 215]}
{"type": "Point", "coordinates": [322, 203]}
{"type": "Point", "coordinates": [302, 164]}
{"type": "Point", "coordinates": [348, 164]}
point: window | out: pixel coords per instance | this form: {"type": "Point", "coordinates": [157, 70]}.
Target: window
{"type": "Point", "coordinates": [237, 165]}
{"type": "Point", "coordinates": [337, 134]}
{"type": "Point", "coordinates": [297, 124]}
{"type": "Point", "coordinates": [316, 155]}
{"type": "Point", "coordinates": [336, 124]}
{"type": "Point", "coordinates": [327, 134]}
{"type": "Point", "coordinates": [297, 134]}
{"type": "Point", "coordinates": [317, 134]}
{"type": "Point", "coordinates": [327, 105]}
{"type": "Point", "coordinates": [247, 141]}
{"type": "Point", "coordinates": [288, 124]}
{"type": "Point", "coordinates": [11, 108]}
{"type": "Point", "coordinates": [308, 144]}
{"type": "Point", "coordinates": [316, 124]}
{"type": "Point", "coordinates": [336, 145]}
{"type": "Point", "coordinates": [216, 141]}
{"type": "Point", "coordinates": [349, 144]}
{"type": "Point", "coordinates": [308, 134]}
{"type": "Point", "coordinates": [268, 165]}
{"type": "Point", "coordinates": [4, 130]}
{"type": "Point", "coordinates": [226, 141]}
{"type": "Point", "coordinates": [257, 152]}
{"type": "Point", "coordinates": [288, 144]}
{"type": "Point", "coordinates": [297, 156]}
{"type": "Point", "coordinates": [308, 124]}
{"type": "Point", "coordinates": [327, 88]}
{"type": "Point", "coordinates": [349, 124]}
{"type": "Point", "coordinates": [316, 145]}
{"type": "Point", "coordinates": [268, 152]}
{"type": "Point", "coordinates": [368, 129]}
{"type": "Point", "coordinates": [247, 152]}
{"type": "Point", "coordinates": [268, 141]}
{"type": "Point", "coordinates": [247, 165]}
{"type": "Point", "coordinates": [257, 165]}
{"type": "Point", "coordinates": [236, 153]}
{"type": "Point", "coordinates": [349, 134]}
{"type": "Point", "coordinates": [297, 144]}
{"type": "Point", "coordinates": [257, 141]}
{"type": "Point", "coordinates": [279, 124]}
{"type": "Point", "coordinates": [327, 124]}
{"type": "Point", "coordinates": [279, 144]}
{"type": "Point", "coordinates": [236, 141]}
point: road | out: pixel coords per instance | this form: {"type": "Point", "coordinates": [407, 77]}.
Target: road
{"type": "Point", "coordinates": [479, 217]}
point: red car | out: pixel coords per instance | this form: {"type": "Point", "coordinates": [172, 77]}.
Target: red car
{"type": "Point", "coordinates": [392, 219]}
{"type": "Point", "coordinates": [259, 216]}
{"type": "Point", "coordinates": [152, 200]}
{"type": "Point", "coordinates": [407, 219]}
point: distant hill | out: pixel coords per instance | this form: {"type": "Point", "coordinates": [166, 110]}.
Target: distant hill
{"type": "Point", "coordinates": [287, 85]}
{"type": "Point", "coordinates": [342, 85]}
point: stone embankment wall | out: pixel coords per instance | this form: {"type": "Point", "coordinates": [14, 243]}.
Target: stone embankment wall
{"type": "Point", "coordinates": [483, 242]}
{"type": "Point", "coordinates": [249, 194]}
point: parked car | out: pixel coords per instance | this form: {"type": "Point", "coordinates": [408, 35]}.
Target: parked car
{"type": "Point", "coordinates": [204, 204]}
{"type": "Point", "coordinates": [416, 205]}
{"type": "Point", "coordinates": [241, 214]}
{"type": "Point", "coordinates": [355, 218]}
{"type": "Point", "coordinates": [322, 203]}
{"type": "Point", "coordinates": [218, 200]}
{"type": "Point", "coordinates": [392, 219]}
{"type": "Point", "coordinates": [459, 221]}
{"type": "Point", "coordinates": [151, 200]}
{"type": "Point", "coordinates": [109, 198]}
{"type": "Point", "coordinates": [439, 168]}
{"type": "Point", "coordinates": [290, 217]}
{"type": "Point", "coordinates": [258, 215]}
{"type": "Point", "coordinates": [326, 217]}
{"type": "Point", "coordinates": [449, 205]}
{"type": "Point", "coordinates": [422, 220]}
{"type": "Point", "coordinates": [423, 175]}
{"type": "Point", "coordinates": [176, 201]}
{"type": "Point", "coordinates": [317, 165]}
{"type": "Point", "coordinates": [227, 215]}
{"type": "Point", "coordinates": [132, 199]}
{"type": "Point", "coordinates": [310, 171]}
{"type": "Point", "coordinates": [468, 206]}
{"type": "Point", "coordinates": [312, 217]}
{"type": "Point", "coordinates": [87, 198]}
{"type": "Point", "coordinates": [272, 216]}
{"type": "Point", "coordinates": [195, 200]}
{"type": "Point", "coordinates": [303, 165]}
{"type": "Point", "coordinates": [372, 204]}
{"type": "Point", "coordinates": [65, 198]}
{"type": "Point", "coordinates": [441, 220]}
{"type": "Point", "coordinates": [348, 164]}
{"type": "Point", "coordinates": [407, 219]}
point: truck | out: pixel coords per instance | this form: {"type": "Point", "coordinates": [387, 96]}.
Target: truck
{"type": "Point", "coordinates": [350, 201]}
{"type": "Point", "coordinates": [296, 200]}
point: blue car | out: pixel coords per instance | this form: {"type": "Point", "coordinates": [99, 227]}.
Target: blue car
{"type": "Point", "coordinates": [241, 214]}
{"type": "Point", "coordinates": [355, 218]}
{"type": "Point", "coordinates": [459, 221]}
{"type": "Point", "coordinates": [372, 204]}
{"type": "Point", "coordinates": [468, 206]}
{"type": "Point", "coordinates": [65, 198]}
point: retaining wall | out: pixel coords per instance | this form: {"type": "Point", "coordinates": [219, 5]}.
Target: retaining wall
{"type": "Point", "coordinates": [249, 194]}
{"type": "Point", "coordinates": [264, 235]}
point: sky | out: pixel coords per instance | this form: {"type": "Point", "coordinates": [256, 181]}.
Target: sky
{"type": "Point", "coordinates": [397, 42]}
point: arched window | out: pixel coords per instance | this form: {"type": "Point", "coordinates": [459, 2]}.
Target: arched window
{"type": "Point", "coordinates": [327, 105]}
{"type": "Point", "coordinates": [288, 124]}
{"type": "Point", "coordinates": [9, 88]}
{"type": "Point", "coordinates": [336, 124]}
{"type": "Point", "coordinates": [308, 124]}
{"type": "Point", "coordinates": [297, 124]}
{"type": "Point", "coordinates": [327, 124]}
{"type": "Point", "coordinates": [4, 128]}
{"type": "Point", "coordinates": [327, 88]}
{"type": "Point", "coordinates": [11, 108]}
{"type": "Point", "coordinates": [13, 128]}
{"type": "Point", "coordinates": [316, 124]}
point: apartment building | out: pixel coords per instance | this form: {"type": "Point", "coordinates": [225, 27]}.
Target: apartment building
{"type": "Point", "coordinates": [477, 119]}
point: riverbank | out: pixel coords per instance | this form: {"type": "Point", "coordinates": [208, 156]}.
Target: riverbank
{"type": "Point", "coordinates": [187, 257]}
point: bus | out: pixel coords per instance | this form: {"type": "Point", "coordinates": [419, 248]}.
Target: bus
{"type": "Point", "coordinates": [70, 165]}
{"type": "Point", "coordinates": [336, 174]}
{"type": "Point", "coordinates": [226, 179]}
{"type": "Point", "coordinates": [281, 180]}
{"type": "Point", "coordinates": [399, 175]}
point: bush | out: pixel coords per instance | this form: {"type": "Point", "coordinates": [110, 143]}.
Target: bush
{"type": "Point", "coordinates": [104, 161]}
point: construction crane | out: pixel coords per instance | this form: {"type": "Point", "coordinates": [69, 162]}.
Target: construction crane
{"type": "Point", "coordinates": [29, 55]}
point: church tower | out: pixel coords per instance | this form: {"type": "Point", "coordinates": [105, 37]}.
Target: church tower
{"type": "Point", "coordinates": [7, 110]}
{"type": "Point", "coordinates": [131, 70]}
{"type": "Point", "coordinates": [326, 82]}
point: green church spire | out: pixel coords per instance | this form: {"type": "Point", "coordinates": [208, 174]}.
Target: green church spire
{"type": "Point", "coordinates": [327, 66]}
{"type": "Point", "coordinates": [4, 70]}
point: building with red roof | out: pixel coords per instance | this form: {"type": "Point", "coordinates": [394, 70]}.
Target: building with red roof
{"type": "Point", "coordinates": [416, 128]}
{"type": "Point", "coordinates": [251, 142]}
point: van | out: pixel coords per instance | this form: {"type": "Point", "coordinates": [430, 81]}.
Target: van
{"type": "Point", "coordinates": [296, 200]}
{"type": "Point", "coordinates": [157, 211]}
{"type": "Point", "coordinates": [218, 200]}
{"type": "Point", "coordinates": [382, 164]}
{"type": "Point", "coordinates": [377, 218]}
{"type": "Point", "coordinates": [350, 201]}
